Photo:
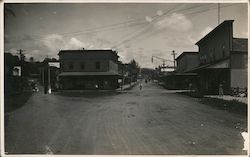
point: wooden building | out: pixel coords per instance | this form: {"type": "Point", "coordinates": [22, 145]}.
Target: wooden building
{"type": "Point", "coordinates": [88, 69]}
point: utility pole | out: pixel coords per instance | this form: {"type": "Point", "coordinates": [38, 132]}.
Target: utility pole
{"type": "Point", "coordinates": [21, 55]}
{"type": "Point", "coordinates": [20, 52]}
{"type": "Point", "coordinates": [173, 53]}
{"type": "Point", "coordinates": [218, 13]}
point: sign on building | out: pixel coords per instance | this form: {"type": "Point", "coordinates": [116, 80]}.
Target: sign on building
{"type": "Point", "coordinates": [16, 71]}
{"type": "Point", "coordinates": [54, 64]}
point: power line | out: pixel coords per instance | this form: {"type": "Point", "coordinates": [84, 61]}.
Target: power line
{"type": "Point", "coordinates": [134, 22]}
{"type": "Point", "coordinates": [197, 12]}
{"type": "Point", "coordinates": [145, 30]}
{"type": "Point", "coordinates": [98, 29]}
{"type": "Point", "coordinates": [86, 32]}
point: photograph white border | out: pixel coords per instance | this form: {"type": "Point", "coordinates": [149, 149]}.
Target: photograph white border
{"type": "Point", "coordinates": [98, 1]}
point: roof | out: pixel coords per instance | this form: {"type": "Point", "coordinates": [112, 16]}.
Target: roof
{"type": "Point", "coordinates": [216, 65]}
{"type": "Point", "coordinates": [186, 53]}
{"type": "Point", "coordinates": [226, 22]}
{"type": "Point", "coordinates": [88, 51]}
{"type": "Point", "coordinates": [106, 73]}
{"type": "Point", "coordinates": [172, 74]}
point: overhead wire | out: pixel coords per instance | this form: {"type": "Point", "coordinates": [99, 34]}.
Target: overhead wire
{"type": "Point", "coordinates": [197, 12]}
{"type": "Point", "coordinates": [104, 28]}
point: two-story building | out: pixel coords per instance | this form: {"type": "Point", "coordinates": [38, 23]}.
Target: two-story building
{"type": "Point", "coordinates": [88, 69]}
{"type": "Point", "coordinates": [181, 78]}
{"type": "Point", "coordinates": [223, 60]}
{"type": "Point", "coordinates": [187, 61]}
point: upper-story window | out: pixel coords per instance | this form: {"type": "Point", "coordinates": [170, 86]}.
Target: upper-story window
{"type": "Point", "coordinates": [82, 65]}
{"type": "Point", "coordinates": [97, 65]}
{"type": "Point", "coordinates": [62, 66]}
{"type": "Point", "coordinates": [71, 65]}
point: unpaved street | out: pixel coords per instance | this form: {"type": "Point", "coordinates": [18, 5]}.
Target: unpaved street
{"type": "Point", "coordinates": [151, 121]}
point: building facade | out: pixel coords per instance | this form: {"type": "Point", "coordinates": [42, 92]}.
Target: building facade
{"type": "Point", "coordinates": [187, 61]}
{"type": "Point", "coordinates": [222, 60]}
{"type": "Point", "coordinates": [88, 69]}
{"type": "Point", "coordinates": [181, 78]}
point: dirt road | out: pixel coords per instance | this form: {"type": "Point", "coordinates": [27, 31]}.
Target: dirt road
{"type": "Point", "coordinates": [150, 121]}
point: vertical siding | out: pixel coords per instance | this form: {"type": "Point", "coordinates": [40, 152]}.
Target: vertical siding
{"type": "Point", "coordinates": [239, 70]}
{"type": "Point", "coordinates": [90, 65]}
{"type": "Point", "coordinates": [239, 78]}
{"type": "Point", "coordinates": [212, 48]}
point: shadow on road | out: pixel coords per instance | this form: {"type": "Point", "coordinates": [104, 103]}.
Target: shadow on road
{"type": "Point", "coordinates": [15, 101]}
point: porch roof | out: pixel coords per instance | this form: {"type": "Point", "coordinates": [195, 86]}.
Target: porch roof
{"type": "Point", "coordinates": [102, 73]}
{"type": "Point", "coordinates": [222, 64]}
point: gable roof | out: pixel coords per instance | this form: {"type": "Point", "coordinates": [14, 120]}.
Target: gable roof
{"type": "Point", "coordinates": [186, 53]}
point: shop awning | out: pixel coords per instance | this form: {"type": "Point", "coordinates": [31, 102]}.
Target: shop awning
{"type": "Point", "coordinates": [105, 73]}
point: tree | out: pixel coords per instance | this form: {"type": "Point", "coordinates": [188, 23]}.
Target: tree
{"type": "Point", "coordinates": [133, 69]}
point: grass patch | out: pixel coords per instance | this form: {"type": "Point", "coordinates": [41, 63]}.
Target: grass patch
{"type": "Point", "coordinates": [233, 106]}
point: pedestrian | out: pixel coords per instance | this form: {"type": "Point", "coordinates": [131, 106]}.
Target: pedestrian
{"type": "Point", "coordinates": [190, 86]}
{"type": "Point", "coordinates": [221, 89]}
{"type": "Point", "coordinates": [140, 85]}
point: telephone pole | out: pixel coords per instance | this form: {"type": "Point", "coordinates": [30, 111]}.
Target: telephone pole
{"type": "Point", "coordinates": [218, 13]}
{"type": "Point", "coordinates": [173, 53]}
{"type": "Point", "coordinates": [21, 55]}
{"type": "Point", "coordinates": [20, 52]}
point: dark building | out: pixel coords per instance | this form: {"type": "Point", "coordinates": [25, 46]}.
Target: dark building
{"type": "Point", "coordinates": [223, 60]}
{"type": "Point", "coordinates": [10, 61]}
{"type": "Point", "coordinates": [187, 61]}
{"type": "Point", "coordinates": [181, 78]}
{"type": "Point", "coordinates": [88, 69]}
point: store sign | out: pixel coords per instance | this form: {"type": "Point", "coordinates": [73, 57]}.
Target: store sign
{"type": "Point", "coordinates": [54, 64]}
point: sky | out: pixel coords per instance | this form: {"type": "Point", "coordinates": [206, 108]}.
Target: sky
{"type": "Point", "coordinates": [135, 30]}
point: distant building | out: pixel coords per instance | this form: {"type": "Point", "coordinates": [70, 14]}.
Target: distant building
{"type": "Point", "coordinates": [11, 65]}
{"type": "Point", "coordinates": [88, 69]}
{"type": "Point", "coordinates": [187, 61]}
{"type": "Point", "coordinates": [223, 60]}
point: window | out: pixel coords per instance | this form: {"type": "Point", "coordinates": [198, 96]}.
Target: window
{"type": "Point", "coordinates": [82, 65]}
{"type": "Point", "coordinates": [97, 65]}
{"type": "Point", "coordinates": [71, 65]}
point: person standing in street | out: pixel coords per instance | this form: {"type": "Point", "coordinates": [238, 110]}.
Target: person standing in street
{"type": "Point", "coordinates": [140, 85]}
{"type": "Point", "coordinates": [221, 90]}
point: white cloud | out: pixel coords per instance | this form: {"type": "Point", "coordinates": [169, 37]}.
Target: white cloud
{"type": "Point", "coordinates": [205, 31]}
{"type": "Point", "coordinates": [52, 42]}
{"type": "Point", "coordinates": [75, 44]}
{"type": "Point", "coordinates": [149, 19]}
{"type": "Point", "coordinates": [176, 21]}
{"type": "Point", "coordinates": [159, 12]}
